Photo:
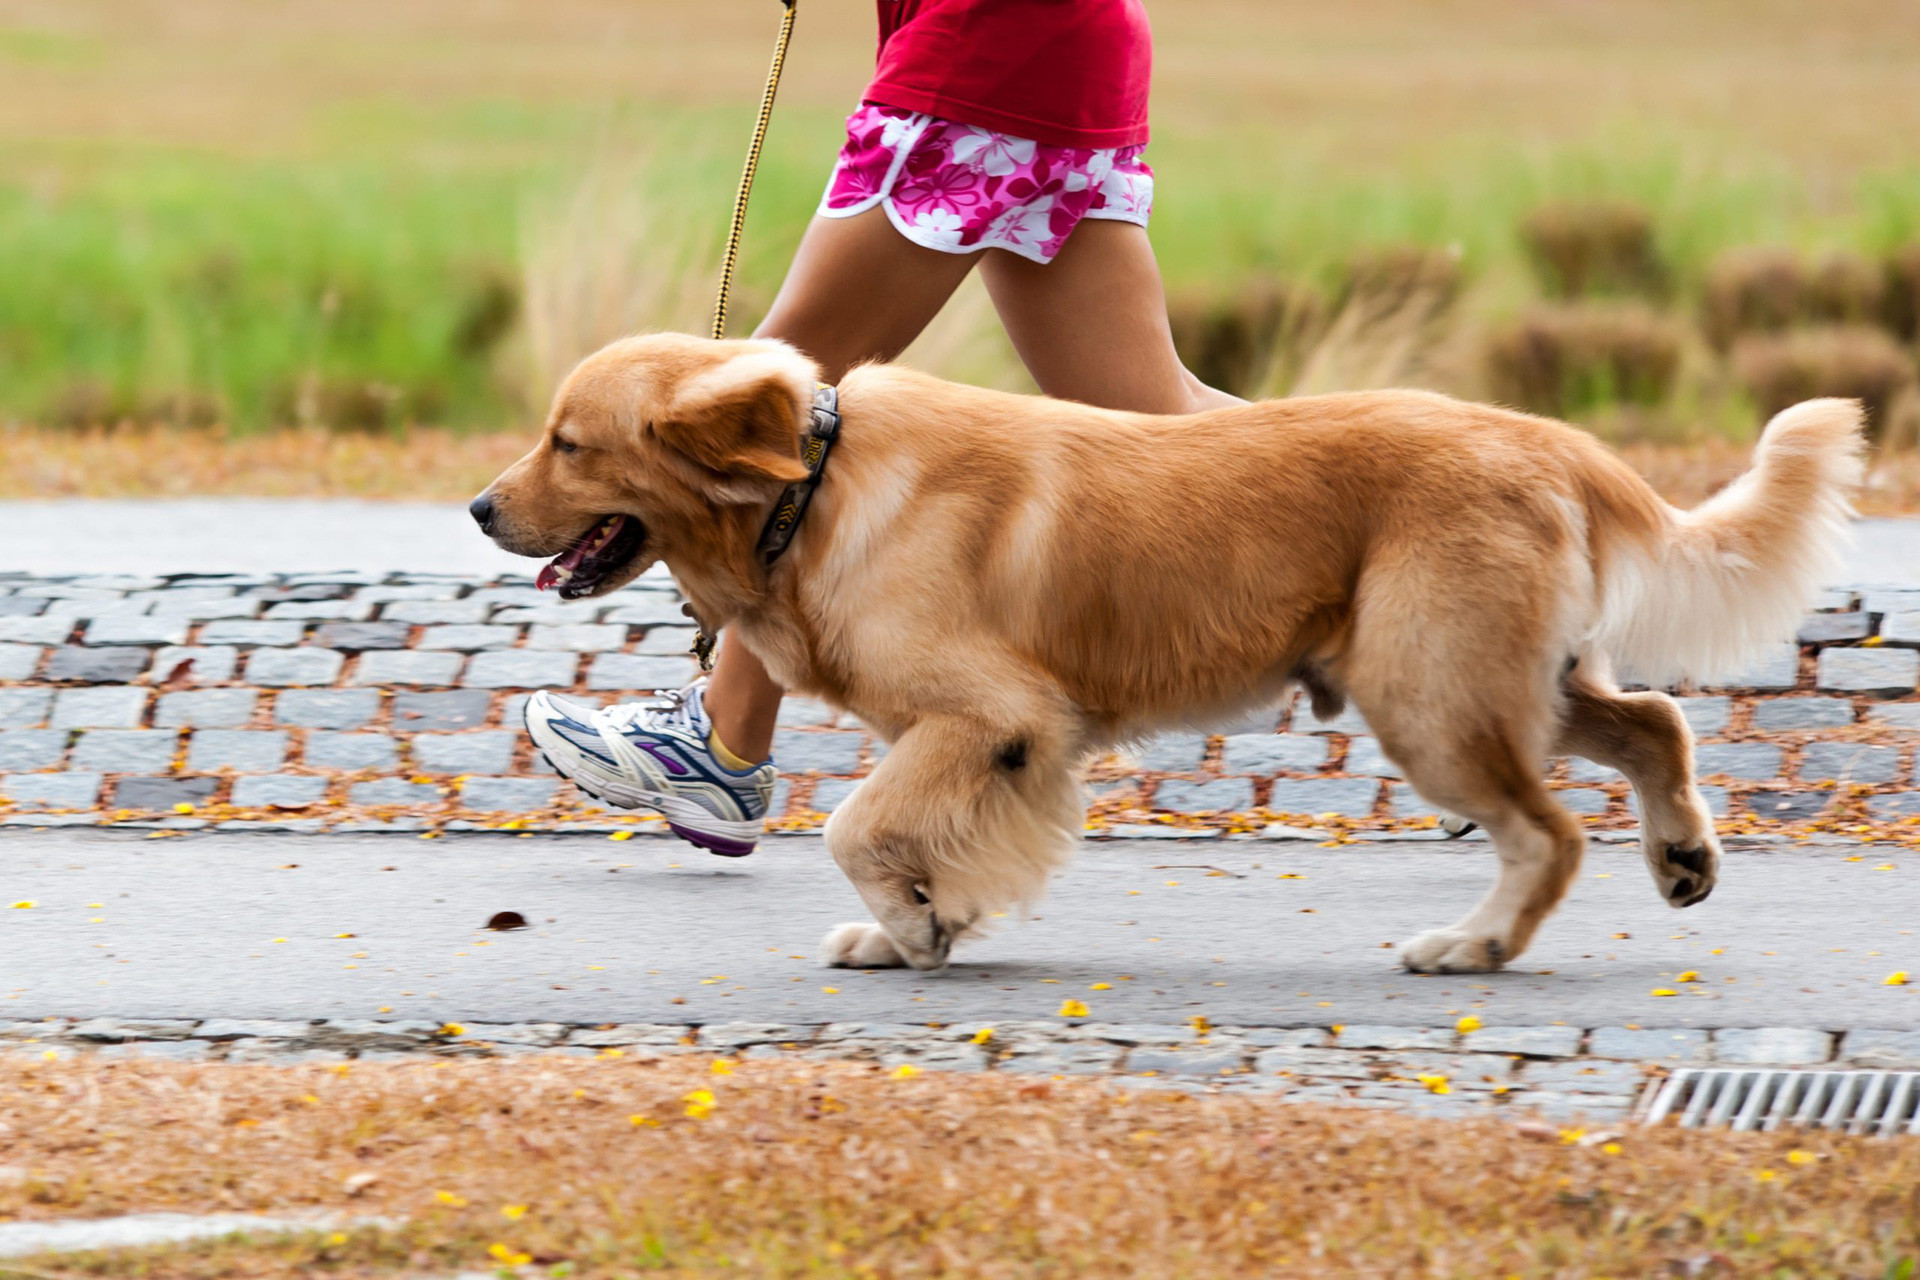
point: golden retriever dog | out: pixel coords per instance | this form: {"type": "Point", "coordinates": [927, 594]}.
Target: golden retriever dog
{"type": "Point", "coordinates": [1002, 585]}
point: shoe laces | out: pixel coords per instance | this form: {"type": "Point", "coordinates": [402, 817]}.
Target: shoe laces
{"type": "Point", "coordinates": [674, 709]}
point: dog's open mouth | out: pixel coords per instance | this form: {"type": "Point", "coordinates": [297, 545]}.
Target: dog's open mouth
{"type": "Point", "coordinates": [602, 551]}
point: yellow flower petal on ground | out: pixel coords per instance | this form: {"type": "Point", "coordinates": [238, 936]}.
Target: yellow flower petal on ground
{"type": "Point", "coordinates": [1572, 1136]}
{"type": "Point", "coordinates": [452, 1029]}
{"type": "Point", "coordinates": [183, 807]}
{"type": "Point", "coordinates": [338, 1237]}
{"type": "Point", "coordinates": [513, 1212]}
{"type": "Point", "coordinates": [25, 904]}
{"type": "Point", "coordinates": [621, 835]}
{"type": "Point", "coordinates": [1873, 642]}
{"type": "Point", "coordinates": [507, 1257]}
{"type": "Point", "coordinates": [831, 991]}
{"type": "Point", "coordinates": [905, 1071]}
{"type": "Point", "coordinates": [1435, 1083]}
{"type": "Point", "coordinates": [1663, 991]}
{"type": "Point", "coordinates": [700, 1103]}
{"type": "Point", "coordinates": [721, 1067]}
{"type": "Point", "coordinates": [1898, 978]}
{"type": "Point", "coordinates": [1766, 1175]}
{"type": "Point", "coordinates": [1199, 1024]}
{"type": "Point", "coordinates": [1611, 1148]}
{"type": "Point", "coordinates": [611, 1053]}
{"type": "Point", "coordinates": [1467, 1024]}
{"type": "Point", "coordinates": [451, 1198]}
{"type": "Point", "coordinates": [1690, 975]}
{"type": "Point", "coordinates": [1797, 1156]}
{"type": "Point", "coordinates": [983, 1035]}
{"type": "Point", "coordinates": [1072, 1009]}
{"type": "Point", "coordinates": [1101, 986]}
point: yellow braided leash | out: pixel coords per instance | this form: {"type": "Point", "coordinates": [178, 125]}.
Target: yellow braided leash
{"type": "Point", "coordinates": [746, 177]}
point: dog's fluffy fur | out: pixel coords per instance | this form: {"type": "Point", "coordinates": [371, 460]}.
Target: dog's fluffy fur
{"type": "Point", "coordinates": [1000, 585]}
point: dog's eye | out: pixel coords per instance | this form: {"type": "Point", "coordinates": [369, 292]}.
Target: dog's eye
{"type": "Point", "coordinates": [564, 446]}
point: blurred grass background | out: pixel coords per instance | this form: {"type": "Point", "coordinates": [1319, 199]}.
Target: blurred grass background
{"type": "Point", "coordinates": [1658, 217]}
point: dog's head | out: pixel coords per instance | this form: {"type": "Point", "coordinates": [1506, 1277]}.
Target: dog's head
{"type": "Point", "coordinates": [651, 441]}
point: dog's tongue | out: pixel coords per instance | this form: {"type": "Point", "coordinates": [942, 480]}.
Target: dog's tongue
{"type": "Point", "coordinates": [562, 567]}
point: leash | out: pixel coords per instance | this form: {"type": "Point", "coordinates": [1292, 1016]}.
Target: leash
{"type": "Point", "coordinates": [702, 641]}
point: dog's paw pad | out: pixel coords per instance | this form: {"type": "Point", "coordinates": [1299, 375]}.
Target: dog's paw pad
{"type": "Point", "coordinates": [1687, 875]}
{"type": "Point", "coordinates": [859, 946]}
{"type": "Point", "coordinates": [1450, 951]}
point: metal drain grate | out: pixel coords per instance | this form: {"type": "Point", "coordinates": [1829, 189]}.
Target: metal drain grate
{"type": "Point", "coordinates": [1879, 1103]}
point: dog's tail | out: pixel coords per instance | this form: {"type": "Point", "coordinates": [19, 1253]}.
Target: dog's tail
{"type": "Point", "coordinates": [1711, 588]}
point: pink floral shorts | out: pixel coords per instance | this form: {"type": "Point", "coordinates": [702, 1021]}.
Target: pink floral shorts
{"type": "Point", "coordinates": [959, 188]}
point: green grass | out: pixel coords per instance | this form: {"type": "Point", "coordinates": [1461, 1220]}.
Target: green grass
{"type": "Point", "coordinates": [261, 225]}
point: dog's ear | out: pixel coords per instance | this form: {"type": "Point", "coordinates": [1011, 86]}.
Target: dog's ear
{"type": "Point", "coordinates": [741, 421]}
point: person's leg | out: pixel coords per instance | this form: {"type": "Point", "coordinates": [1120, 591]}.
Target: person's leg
{"type": "Point", "coordinates": [858, 290]}
{"type": "Point", "coordinates": [1092, 324]}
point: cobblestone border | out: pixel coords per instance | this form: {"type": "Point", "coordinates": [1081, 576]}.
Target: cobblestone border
{"type": "Point", "coordinates": [391, 701]}
{"type": "Point", "coordinates": [1552, 1070]}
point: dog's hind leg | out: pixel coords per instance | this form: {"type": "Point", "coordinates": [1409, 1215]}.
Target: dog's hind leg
{"type": "Point", "coordinates": [1645, 737]}
{"type": "Point", "coordinates": [961, 819]}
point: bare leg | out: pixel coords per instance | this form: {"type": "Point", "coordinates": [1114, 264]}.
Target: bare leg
{"type": "Point", "coordinates": [858, 290]}
{"type": "Point", "coordinates": [1092, 324]}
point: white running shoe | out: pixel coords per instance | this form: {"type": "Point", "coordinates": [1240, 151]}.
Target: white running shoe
{"type": "Point", "coordinates": [654, 755]}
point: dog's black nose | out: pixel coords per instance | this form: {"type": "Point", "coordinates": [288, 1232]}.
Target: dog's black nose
{"type": "Point", "coordinates": [481, 509]}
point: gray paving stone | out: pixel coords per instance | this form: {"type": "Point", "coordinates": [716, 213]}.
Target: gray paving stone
{"type": "Point", "coordinates": [205, 708]}
{"type": "Point", "coordinates": [125, 750]}
{"type": "Point", "coordinates": [278, 790]}
{"type": "Point", "coordinates": [1365, 757]}
{"type": "Point", "coordinates": [385, 594]}
{"type": "Point", "coordinates": [1719, 801]}
{"type": "Point", "coordinates": [1900, 715]}
{"type": "Point", "coordinates": [1881, 1048]}
{"type": "Point", "coordinates": [1706, 715]}
{"type": "Point", "coordinates": [1886, 671]}
{"type": "Point", "coordinates": [500, 596]}
{"type": "Point", "coordinates": [327, 708]}
{"type": "Point", "coordinates": [280, 668]}
{"type": "Point", "coordinates": [666, 640]}
{"type": "Point", "coordinates": [1643, 1044]}
{"type": "Point", "coordinates": [1580, 769]}
{"type": "Point", "coordinates": [521, 669]}
{"type": "Point", "coordinates": [452, 710]}
{"type": "Point", "coordinates": [1266, 753]}
{"type": "Point", "coordinates": [553, 613]}
{"type": "Point", "coordinates": [136, 630]}
{"type": "Point", "coordinates": [1849, 762]}
{"type": "Point", "coordinates": [518, 794]}
{"type": "Point", "coordinates": [485, 751]}
{"type": "Point", "coordinates": [830, 793]}
{"type": "Point", "coordinates": [1541, 1042]}
{"type": "Point", "coordinates": [1889, 599]}
{"type": "Point", "coordinates": [321, 610]}
{"type": "Point", "coordinates": [1200, 1059]}
{"type": "Point", "coordinates": [579, 637]}
{"type": "Point", "coordinates": [353, 637]}
{"type": "Point", "coordinates": [184, 595]}
{"type": "Point", "coordinates": [248, 633]}
{"type": "Point", "coordinates": [1335, 1064]}
{"type": "Point", "coordinates": [241, 750]}
{"type": "Point", "coordinates": [69, 591]}
{"type": "Point", "coordinates": [111, 1030]}
{"type": "Point", "coordinates": [101, 707]}
{"type": "Point", "coordinates": [1349, 797]}
{"type": "Point", "coordinates": [1834, 628]}
{"type": "Point", "coordinates": [1802, 713]}
{"type": "Point", "coordinates": [393, 791]}
{"type": "Point", "coordinates": [87, 610]}
{"type": "Point", "coordinates": [806, 713]}
{"type": "Point", "coordinates": [406, 666]}
{"type": "Point", "coordinates": [1216, 795]}
{"type": "Point", "coordinates": [24, 708]}
{"type": "Point", "coordinates": [31, 630]}
{"type": "Point", "coordinates": [1585, 1075]}
{"type": "Point", "coordinates": [17, 661]}
{"type": "Point", "coordinates": [208, 610]}
{"type": "Point", "coordinates": [1285, 1037]}
{"type": "Point", "coordinates": [245, 1028]}
{"type": "Point", "coordinates": [158, 1050]}
{"type": "Point", "coordinates": [1791, 806]}
{"type": "Point", "coordinates": [435, 612]}
{"type": "Point", "coordinates": [1901, 628]}
{"type": "Point", "coordinates": [13, 607]}
{"type": "Point", "coordinates": [825, 751]}
{"type": "Point", "coordinates": [1778, 670]}
{"type": "Point", "coordinates": [1890, 808]}
{"type": "Point", "coordinates": [647, 609]}
{"type": "Point", "coordinates": [469, 638]}
{"type": "Point", "coordinates": [27, 750]}
{"type": "Point", "coordinates": [110, 665]}
{"type": "Point", "coordinates": [349, 752]}
{"type": "Point", "coordinates": [1785, 1046]}
{"type": "Point", "coordinates": [1757, 761]}
{"type": "Point", "coordinates": [1064, 1060]}
{"type": "Point", "coordinates": [661, 1035]}
{"type": "Point", "coordinates": [1173, 753]}
{"type": "Point", "coordinates": [163, 793]}
{"type": "Point", "coordinates": [51, 790]}
{"type": "Point", "coordinates": [632, 671]}
{"type": "Point", "coordinates": [209, 664]}
{"type": "Point", "coordinates": [738, 1035]}
{"type": "Point", "coordinates": [1385, 1037]}
{"type": "Point", "coordinates": [1583, 799]}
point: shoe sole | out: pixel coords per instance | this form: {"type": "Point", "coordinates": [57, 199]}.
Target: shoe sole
{"type": "Point", "coordinates": [685, 819]}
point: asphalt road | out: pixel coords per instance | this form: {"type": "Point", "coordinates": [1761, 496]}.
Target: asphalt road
{"type": "Point", "coordinates": [300, 535]}
{"type": "Point", "coordinates": [648, 930]}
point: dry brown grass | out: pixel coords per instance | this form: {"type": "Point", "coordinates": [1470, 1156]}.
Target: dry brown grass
{"type": "Point", "coordinates": [833, 1170]}
{"type": "Point", "coordinates": [1561, 360]}
{"type": "Point", "coordinates": [1581, 249]}
{"type": "Point", "coordinates": [1781, 369]}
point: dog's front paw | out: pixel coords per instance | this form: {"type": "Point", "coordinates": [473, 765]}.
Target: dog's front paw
{"type": "Point", "coordinates": [1451, 951]}
{"type": "Point", "coordinates": [859, 946]}
{"type": "Point", "coordinates": [1684, 876]}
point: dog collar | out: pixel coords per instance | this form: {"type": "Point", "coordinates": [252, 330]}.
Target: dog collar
{"type": "Point", "coordinates": [822, 430]}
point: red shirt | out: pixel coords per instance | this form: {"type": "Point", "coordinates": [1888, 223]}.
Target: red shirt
{"type": "Point", "coordinates": [1071, 73]}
